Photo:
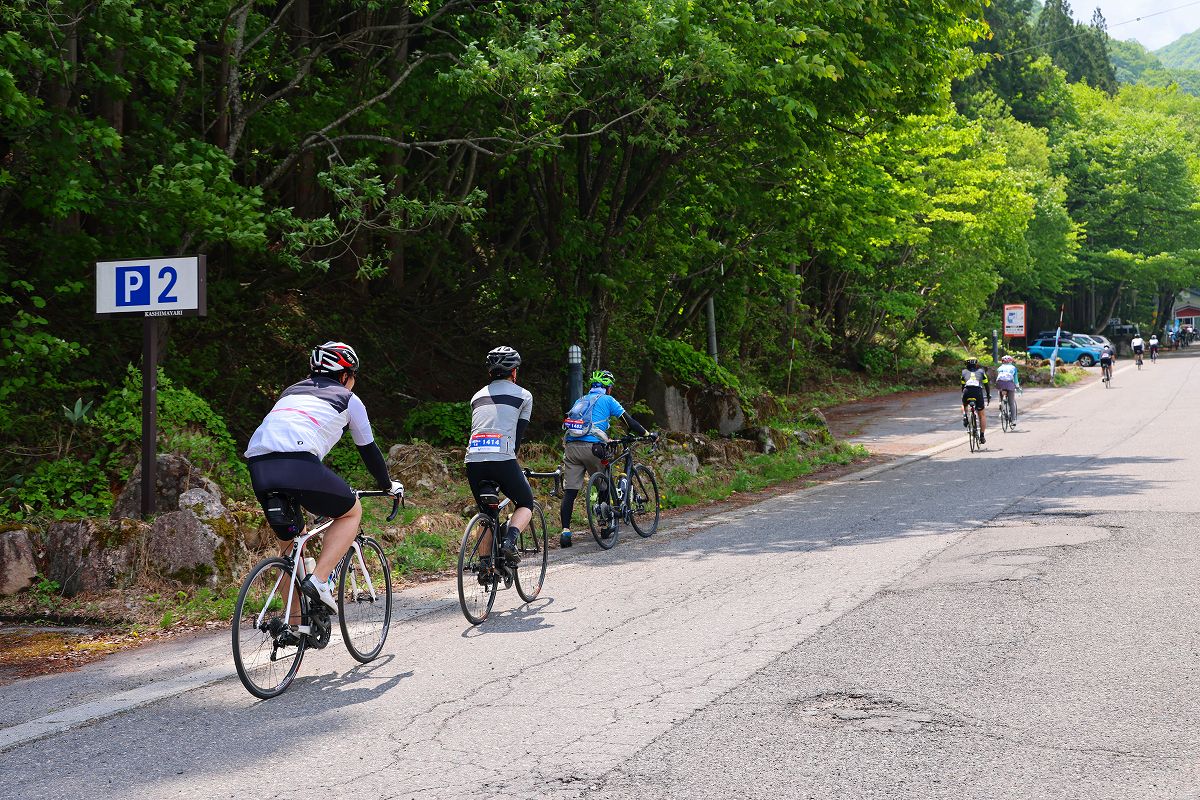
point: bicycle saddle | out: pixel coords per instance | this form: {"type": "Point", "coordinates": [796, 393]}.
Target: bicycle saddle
{"type": "Point", "coordinates": [488, 497]}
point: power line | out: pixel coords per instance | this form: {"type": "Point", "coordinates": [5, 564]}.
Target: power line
{"type": "Point", "coordinates": [1110, 27]}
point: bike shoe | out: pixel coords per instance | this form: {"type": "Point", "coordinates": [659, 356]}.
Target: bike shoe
{"type": "Point", "coordinates": [320, 592]}
{"type": "Point", "coordinates": [509, 551]}
{"type": "Point", "coordinates": [565, 539]}
{"type": "Point", "coordinates": [965, 423]}
{"type": "Point", "coordinates": [982, 439]}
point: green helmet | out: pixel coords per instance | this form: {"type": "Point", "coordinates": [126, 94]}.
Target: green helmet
{"type": "Point", "coordinates": [603, 377]}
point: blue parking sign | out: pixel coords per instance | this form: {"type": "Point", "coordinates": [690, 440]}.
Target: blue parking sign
{"type": "Point", "coordinates": [133, 286]}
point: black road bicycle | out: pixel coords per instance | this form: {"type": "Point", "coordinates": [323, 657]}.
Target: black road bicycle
{"type": "Point", "coordinates": [1139, 359]}
{"type": "Point", "coordinates": [972, 426]}
{"type": "Point", "coordinates": [1107, 370]}
{"type": "Point", "coordinates": [482, 571]}
{"type": "Point", "coordinates": [636, 501]}
{"type": "Point", "coordinates": [269, 643]}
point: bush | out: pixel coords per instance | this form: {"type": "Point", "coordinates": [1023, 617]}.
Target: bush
{"type": "Point", "coordinates": [689, 366]}
{"type": "Point", "coordinates": [62, 488]}
{"type": "Point", "coordinates": [440, 423]}
{"type": "Point", "coordinates": [187, 424]}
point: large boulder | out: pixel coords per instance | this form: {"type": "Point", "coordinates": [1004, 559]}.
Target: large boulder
{"type": "Point", "coordinates": [679, 407]}
{"type": "Point", "coordinates": [418, 466]}
{"type": "Point", "coordinates": [91, 555]}
{"type": "Point", "coordinates": [767, 439]}
{"type": "Point", "coordinates": [173, 476]}
{"type": "Point", "coordinates": [18, 570]}
{"type": "Point", "coordinates": [197, 544]}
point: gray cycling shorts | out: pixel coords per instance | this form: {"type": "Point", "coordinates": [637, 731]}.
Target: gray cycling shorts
{"type": "Point", "coordinates": [578, 459]}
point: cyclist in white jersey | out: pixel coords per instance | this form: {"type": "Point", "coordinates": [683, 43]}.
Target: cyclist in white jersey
{"type": "Point", "coordinates": [287, 449]}
{"type": "Point", "coordinates": [500, 413]}
{"type": "Point", "coordinates": [1008, 382]}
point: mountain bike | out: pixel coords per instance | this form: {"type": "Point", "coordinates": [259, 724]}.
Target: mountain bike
{"type": "Point", "coordinates": [636, 501]}
{"type": "Point", "coordinates": [1006, 410]}
{"type": "Point", "coordinates": [972, 426]}
{"type": "Point", "coordinates": [269, 643]}
{"type": "Point", "coordinates": [482, 571]}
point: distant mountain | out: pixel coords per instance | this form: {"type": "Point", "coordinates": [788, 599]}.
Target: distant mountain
{"type": "Point", "coordinates": [1183, 53]}
{"type": "Point", "coordinates": [1133, 63]}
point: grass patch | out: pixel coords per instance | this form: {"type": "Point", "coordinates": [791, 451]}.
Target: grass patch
{"type": "Point", "coordinates": [754, 474]}
{"type": "Point", "coordinates": [423, 551]}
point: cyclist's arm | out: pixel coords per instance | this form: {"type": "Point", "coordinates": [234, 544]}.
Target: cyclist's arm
{"type": "Point", "coordinates": [633, 424]}
{"type": "Point", "coordinates": [523, 421]}
{"type": "Point", "coordinates": [987, 386]}
{"type": "Point", "coordinates": [364, 439]}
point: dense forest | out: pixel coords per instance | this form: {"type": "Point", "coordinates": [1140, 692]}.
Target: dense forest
{"type": "Point", "coordinates": [845, 180]}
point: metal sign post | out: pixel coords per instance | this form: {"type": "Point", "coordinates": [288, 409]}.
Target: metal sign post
{"type": "Point", "coordinates": [150, 288]}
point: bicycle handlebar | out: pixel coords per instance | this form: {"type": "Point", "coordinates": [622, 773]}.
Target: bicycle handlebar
{"type": "Point", "coordinates": [531, 474]}
{"type": "Point", "coordinates": [397, 499]}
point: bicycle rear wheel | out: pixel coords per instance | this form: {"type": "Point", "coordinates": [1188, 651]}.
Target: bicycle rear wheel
{"type": "Point", "coordinates": [600, 515]}
{"type": "Point", "coordinates": [365, 599]}
{"type": "Point", "coordinates": [531, 572]}
{"type": "Point", "coordinates": [265, 665]}
{"type": "Point", "coordinates": [477, 577]}
{"type": "Point", "coordinates": [644, 506]}
{"type": "Point", "coordinates": [973, 430]}
{"type": "Point", "coordinates": [1005, 414]}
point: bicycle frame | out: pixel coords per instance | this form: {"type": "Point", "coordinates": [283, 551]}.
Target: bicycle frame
{"type": "Point", "coordinates": [299, 570]}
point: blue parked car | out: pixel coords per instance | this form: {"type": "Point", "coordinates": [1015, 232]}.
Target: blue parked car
{"type": "Point", "coordinates": [1069, 351]}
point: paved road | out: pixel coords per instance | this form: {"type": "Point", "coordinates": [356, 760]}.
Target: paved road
{"type": "Point", "coordinates": [1018, 623]}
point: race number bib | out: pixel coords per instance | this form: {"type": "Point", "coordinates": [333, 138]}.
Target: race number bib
{"type": "Point", "coordinates": [487, 442]}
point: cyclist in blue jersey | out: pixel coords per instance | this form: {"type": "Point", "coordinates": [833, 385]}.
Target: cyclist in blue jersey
{"type": "Point", "coordinates": [587, 434]}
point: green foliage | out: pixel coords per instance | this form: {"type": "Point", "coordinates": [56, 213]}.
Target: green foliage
{"type": "Point", "coordinates": [689, 366]}
{"type": "Point", "coordinates": [1183, 53]}
{"type": "Point", "coordinates": [440, 423]}
{"type": "Point", "coordinates": [187, 424]}
{"type": "Point", "coordinates": [62, 488]}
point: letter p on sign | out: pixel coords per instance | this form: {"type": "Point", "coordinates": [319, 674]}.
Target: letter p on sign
{"type": "Point", "coordinates": [133, 286]}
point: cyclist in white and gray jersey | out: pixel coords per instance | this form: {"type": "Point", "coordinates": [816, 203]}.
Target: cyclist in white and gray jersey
{"type": "Point", "coordinates": [500, 413]}
{"type": "Point", "coordinates": [287, 449]}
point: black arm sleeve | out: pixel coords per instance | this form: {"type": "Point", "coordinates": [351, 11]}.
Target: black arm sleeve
{"type": "Point", "coordinates": [375, 465]}
{"type": "Point", "coordinates": [633, 424]}
{"type": "Point", "coordinates": [522, 424]}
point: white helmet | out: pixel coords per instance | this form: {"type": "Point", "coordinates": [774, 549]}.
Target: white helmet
{"type": "Point", "coordinates": [333, 357]}
{"type": "Point", "coordinates": [1006, 359]}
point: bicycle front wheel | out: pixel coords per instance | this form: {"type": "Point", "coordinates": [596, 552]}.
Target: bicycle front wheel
{"type": "Point", "coordinates": [531, 572]}
{"type": "Point", "coordinates": [477, 577]}
{"type": "Point", "coordinates": [601, 519]}
{"type": "Point", "coordinates": [266, 651]}
{"type": "Point", "coordinates": [644, 506]}
{"type": "Point", "coordinates": [365, 599]}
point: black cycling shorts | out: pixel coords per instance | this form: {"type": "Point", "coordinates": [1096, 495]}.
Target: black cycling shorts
{"type": "Point", "coordinates": [976, 392]}
{"type": "Point", "coordinates": [507, 475]}
{"type": "Point", "coordinates": [303, 477]}
{"type": "Point", "coordinates": [1137, 350]}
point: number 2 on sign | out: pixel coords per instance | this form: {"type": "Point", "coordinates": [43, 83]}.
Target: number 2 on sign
{"type": "Point", "coordinates": [166, 296]}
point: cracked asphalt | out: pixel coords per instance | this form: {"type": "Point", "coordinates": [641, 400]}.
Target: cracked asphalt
{"type": "Point", "coordinates": [1016, 623]}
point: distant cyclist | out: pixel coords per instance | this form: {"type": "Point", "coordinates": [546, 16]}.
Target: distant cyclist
{"type": "Point", "coordinates": [1153, 347]}
{"type": "Point", "coordinates": [1138, 346]}
{"type": "Point", "coordinates": [975, 385]}
{"type": "Point", "coordinates": [587, 431]}
{"type": "Point", "coordinates": [500, 414]}
{"type": "Point", "coordinates": [1007, 381]}
{"type": "Point", "coordinates": [1106, 361]}
{"type": "Point", "coordinates": [286, 452]}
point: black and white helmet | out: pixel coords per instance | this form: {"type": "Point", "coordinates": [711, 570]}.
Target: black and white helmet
{"type": "Point", "coordinates": [333, 357]}
{"type": "Point", "coordinates": [503, 359]}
